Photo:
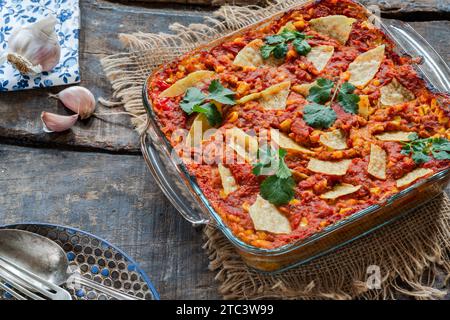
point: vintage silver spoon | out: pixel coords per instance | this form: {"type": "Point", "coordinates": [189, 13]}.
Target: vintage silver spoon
{"type": "Point", "coordinates": [47, 260]}
{"type": "Point", "coordinates": [31, 263]}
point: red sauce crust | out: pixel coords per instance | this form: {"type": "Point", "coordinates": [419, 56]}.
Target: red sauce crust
{"type": "Point", "coordinates": [427, 115]}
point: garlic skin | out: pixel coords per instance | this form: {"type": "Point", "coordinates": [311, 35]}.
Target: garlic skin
{"type": "Point", "coordinates": [57, 123]}
{"type": "Point", "coordinates": [35, 48]}
{"type": "Point", "coordinates": [78, 99]}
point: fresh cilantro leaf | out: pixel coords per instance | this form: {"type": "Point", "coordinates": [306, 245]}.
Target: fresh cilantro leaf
{"type": "Point", "coordinates": [283, 171]}
{"type": "Point", "coordinates": [420, 157]}
{"type": "Point", "coordinates": [290, 35]}
{"type": "Point", "coordinates": [277, 188]}
{"type": "Point", "coordinates": [347, 99]}
{"type": "Point", "coordinates": [280, 50]}
{"type": "Point", "coordinates": [195, 100]}
{"type": "Point", "coordinates": [275, 39]}
{"type": "Point", "coordinates": [421, 149]}
{"type": "Point", "coordinates": [440, 155]}
{"type": "Point", "coordinates": [278, 191]}
{"type": "Point", "coordinates": [265, 159]}
{"type": "Point", "coordinates": [219, 93]}
{"type": "Point", "coordinates": [347, 87]}
{"type": "Point", "coordinates": [278, 44]}
{"type": "Point", "coordinates": [441, 144]}
{"type": "Point", "coordinates": [301, 46]}
{"type": "Point", "coordinates": [210, 111]}
{"type": "Point", "coordinates": [266, 50]}
{"type": "Point", "coordinates": [192, 98]}
{"type": "Point", "coordinates": [321, 92]}
{"type": "Point", "coordinates": [319, 116]}
{"type": "Point", "coordinates": [413, 136]}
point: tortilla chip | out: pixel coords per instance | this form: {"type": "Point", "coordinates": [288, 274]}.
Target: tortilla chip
{"type": "Point", "coordinates": [335, 168]}
{"type": "Point", "coordinates": [334, 139]}
{"type": "Point", "coordinates": [413, 176]}
{"type": "Point", "coordinates": [377, 162]}
{"type": "Point", "coordinates": [266, 217]}
{"type": "Point", "coordinates": [394, 136]}
{"type": "Point", "coordinates": [272, 98]}
{"type": "Point", "coordinates": [289, 26]}
{"type": "Point", "coordinates": [228, 182]}
{"type": "Point", "coordinates": [364, 106]}
{"type": "Point", "coordinates": [180, 87]}
{"type": "Point", "coordinates": [250, 55]}
{"type": "Point", "coordinates": [303, 88]}
{"type": "Point", "coordinates": [394, 93]}
{"type": "Point", "coordinates": [337, 26]}
{"type": "Point", "coordinates": [339, 191]}
{"type": "Point", "coordinates": [198, 127]}
{"type": "Point", "coordinates": [284, 142]}
{"type": "Point", "coordinates": [320, 55]}
{"type": "Point", "coordinates": [245, 145]}
{"type": "Point", "coordinates": [366, 66]}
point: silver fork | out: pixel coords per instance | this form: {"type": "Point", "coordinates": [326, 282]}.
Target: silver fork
{"type": "Point", "coordinates": [22, 280]}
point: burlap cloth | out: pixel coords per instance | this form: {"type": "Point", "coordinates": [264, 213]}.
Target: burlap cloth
{"type": "Point", "coordinates": [408, 251]}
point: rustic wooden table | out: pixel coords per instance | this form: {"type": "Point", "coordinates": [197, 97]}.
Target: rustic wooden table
{"type": "Point", "coordinates": [94, 178]}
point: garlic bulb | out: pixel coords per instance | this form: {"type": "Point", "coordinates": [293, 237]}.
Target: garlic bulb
{"type": "Point", "coordinates": [78, 99]}
{"type": "Point", "coordinates": [57, 123]}
{"type": "Point", "coordinates": [35, 48]}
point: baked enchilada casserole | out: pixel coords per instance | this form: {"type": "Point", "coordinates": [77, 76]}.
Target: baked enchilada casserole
{"type": "Point", "coordinates": [297, 124]}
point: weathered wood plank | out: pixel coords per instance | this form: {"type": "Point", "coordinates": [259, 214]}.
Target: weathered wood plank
{"type": "Point", "coordinates": [113, 197]}
{"type": "Point", "coordinates": [392, 7]}
{"type": "Point", "coordinates": [101, 23]}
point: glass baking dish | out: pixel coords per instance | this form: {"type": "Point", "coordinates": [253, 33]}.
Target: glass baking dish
{"type": "Point", "coordinates": [184, 193]}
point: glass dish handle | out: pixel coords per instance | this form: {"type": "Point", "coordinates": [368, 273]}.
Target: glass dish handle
{"type": "Point", "coordinates": [433, 67]}
{"type": "Point", "coordinates": [169, 180]}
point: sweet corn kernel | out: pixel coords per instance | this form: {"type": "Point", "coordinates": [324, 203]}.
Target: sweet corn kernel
{"type": "Point", "coordinates": [345, 76]}
{"type": "Point", "coordinates": [242, 88]}
{"type": "Point", "coordinates": [262, 243]}
{"type": "Point", "coordinates": [303, 222]}
{"type": "Point", "coordinates": [323, 223]}
{"type": "Point", "coordinates": [246, 206]}
{"type": "Point", "coordinates": [294, 202]}
{"type": "Point", "coordinates": [291, 54]}
{"type": "Point", "coordinates": [248, 232]}
{"type": "Point", "coordinates": [376, 82]}
{"type": "Point", "coordinates": [375, 190]}
{"type": "Point", "coordinates": [286, 125]}
{"type": "Point", "coordinates": [299, 25]}
{"type": "Point", "coordinates": [219, 68]}
{"type": "Point", "coordinates": [233, 116]}
{"type": "Point", "coordinates": [343, 211]}
{"type": "Point", "coordinates": [303, 65]}
{"type": "Point", "coordinates": [299, 175]}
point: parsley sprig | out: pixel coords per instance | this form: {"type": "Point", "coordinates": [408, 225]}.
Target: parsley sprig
{"type": "Point", "coordinates": [278, 187]}
{"type": "Point", "coordinates": [421, 150]}
{"type": "Point", "coordinates": [196, 101]}
{"type": "Point", "coordinates": [277, 44]}
{"type": "Point", "coordinates": [318, 114]}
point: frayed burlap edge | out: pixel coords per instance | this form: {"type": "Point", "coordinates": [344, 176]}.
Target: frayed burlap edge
{"type": "Point", "coordinates": [408, 252]}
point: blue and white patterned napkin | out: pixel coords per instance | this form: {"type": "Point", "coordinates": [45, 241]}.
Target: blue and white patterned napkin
{"type": "Point", "coordinates": [14, 13]}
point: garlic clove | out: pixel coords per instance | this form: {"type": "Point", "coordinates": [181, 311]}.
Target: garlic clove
{"type": "Point", "coordinates": [78, 99]}
{"type": "Point", "coordinates": [57, 123]}
{"type": "Point", "coordinates": [35, 48]}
